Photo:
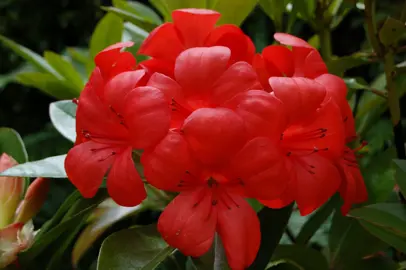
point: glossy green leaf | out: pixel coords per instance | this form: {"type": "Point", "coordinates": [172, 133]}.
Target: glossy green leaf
{"type": "Point", "coordinates": [274, 9]}
{"type": "Point", "coordinates": [388, 237]}
{"type": "Point", "coordinates": [108, 31]}
{"type": "Point", "coordinates": [30, 56]}
{"type": "Point", "coordinates": [306, 258]}
{"type": "Point", "coordinates": [316, 220]}
{"type": "Point", "coordinates": [349, 241]}
{"type": "Point", "coordinates": [338, 66]}
{"type": "Point", "coordinates": [52, 167]}
{"type": "Point", "coordinates": [48, 84]}
{"type": "Point", "coordinates": [306, 9]}
{"type": "Point", "coordinates": [162, 7]}
{"type": "Point", "coordinates": [378, 135]}
{"type": "Point", "coordinates": [131, 17]}
{"type": "Point", "coordinates": [234, 12]}
{"type": "Point", "coordinates": [273, 224]}
{"type": "Point", "coordinates": [146, 13]}
{"type": "Point", "coordinates": [65, 68]}
{"type": "Point", "coordinates": [401, 174]}
{"type": "Point", "coordinates": [284, 265]}
{"type": "Point", "coordinates": [12, 144]}
{"type": "Point", "coordinates": [391, 31]}
{"type": "Point", "coordinates": [63, 114]}
{"type": "Point", "coordinates": [99, 225]}
{"type": "Point", "coordinates": [136, 35]}
{"type": "Point", "coordinates": [139, 248]}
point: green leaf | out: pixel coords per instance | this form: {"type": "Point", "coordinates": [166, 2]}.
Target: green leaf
{"type": "Point", "coordinates": [255, 204]}
{"type": "Point", "coordinates": [283, 265]}
{"type": "Point", "coordinates": [338, 66]}
{"type": "Point", "coordinates": [131, 17]}
{"type": "Point", "coordinates": [109, 30]}
{"type": "Point", "coordinates": [139, 9]}
{"type": "Point", "coordinates": [391, 31]}
{"type": "Point", "coordinates": [65, 68]}
{"type": "Point", "coordinates": [12, 144]}
{"type": "Point", "coordinates": [52, 167]}
{"type": "Point", "coordinates": [162, 7]}
{"type": "Point", "coordinates": [378, 135]}
{"type": "Point", "coordinates": [234, 12]}
{"type": "Point", "coordinates": [48, 84]}
{"type": "Point", "coordinates": [30, 56]}
{"type": "Point", "coordinates": [171, 5]}
{"type": "Point", "coordinates": [136, 35]}
{"type": "Point", "coordinates": [316, 220]}
{"type": "Point", "coordinates": [63, 114]}
{"type": "Point", "coordinates": [273, 223]}
{"type": "Point", "coordinates": [306, 258]}
{"type": "Point", "coordinates": [97, 227]}
{"type": "Point", "coordinates": [388, 216]}
{"type": "Point", "coordinates": [387, 236]}
{"type": "Point", "coordinates": [139, 248]}
{"type": "Point", "coordinates": [401, 174]}
{"type": "Point", "coordinates": [274, 9]}
{"type": "Point", "coordinates": [349, 242]}
{"type": "Point", "coordinates": [375, 263]}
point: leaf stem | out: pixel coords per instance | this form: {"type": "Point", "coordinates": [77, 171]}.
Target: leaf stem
{"type": "Point", "coordinates": [371, 26]}
{"type": "Point", "coordinates": [220, 261]}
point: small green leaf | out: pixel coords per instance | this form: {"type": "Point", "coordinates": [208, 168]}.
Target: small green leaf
{"type": "Point", "coordinates": [338, 66]}
{"type": "Point", "coordinates": [12, 144]}
{"type": "Point", "coordinates": [139, 9]}
{"type": "Point", "coordinates": [109, 30]}
{"type": "Point", "coordinates": [48, 84]}
{"type": "Point", "coordinates": [401, 174]}
{"type": "Point", "coordinates": [65, 68]}
{"type": "Point", "coordinates": [163, 8]}
{"type": "Point", "coordinates": [52, 167]}
{"type": "Point", "coordinates": [391, 31]}
{"type": "Point", "coordinates": [273, 223]}
{"type": "Point", "coordinates": [234, 12]}
{"type": "Point", "coordinates": [306, 258]}
{"type": "Point", "coordinates": [131, 17]}
{"type": "Point", "coordinates": [30, 56]}
{"type": "Point", "coordinates": [63, 114]}
{"type": "Point", "coordinates": [136, 35]}
{"type": "Point", "coordinates": [349, 242]}
{"type": "Point", "coordinates": [274, 9]}
{"type": "Point", "coordinates": [139, 248]}
{"type": "Point", "coordinates": [255, 204]}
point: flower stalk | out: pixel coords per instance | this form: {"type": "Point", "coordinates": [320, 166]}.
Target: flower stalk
{"type": "Point", "coordinates": [220, 261]}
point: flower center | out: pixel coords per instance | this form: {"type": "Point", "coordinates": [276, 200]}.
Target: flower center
{"type": "Point", "coordinates": [299, 143]}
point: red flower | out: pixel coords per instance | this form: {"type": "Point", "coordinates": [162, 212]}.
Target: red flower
{"type": "Point", "coordinates": [193, 28]}
{"type": "Point", "coordinates": [114, 117]}
{"type": "Point", "coordinates": [310, 138]}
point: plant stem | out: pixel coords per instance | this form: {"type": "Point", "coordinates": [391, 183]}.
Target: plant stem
{"type": "Point", "coordinates": [220, 260]}
{"type": "Point", "coordinates": [325, 43]}
{"type": "Point", "coordinates": [371, 26]}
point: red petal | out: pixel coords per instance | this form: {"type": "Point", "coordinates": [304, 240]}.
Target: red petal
{"type": "Point", "coordinates": [189, 222]}
{"type": "Point", "coordinates": [283, 200]}
{"type": "Point", "coordinates": [307, 136]}
{"type": "Point", "coordinates": [167, 85]}
{"type": "Point", "coordinates": [124, 62]}
{"type": "Point", "coordinates": [260, 167]}
{"type": "Point", "coordinates": [117, 47]}
{"type": "Point", "coordinates": [87, 163]}
{"type": "Point", "coordinates": [194, 25]}
{"type": "Point", "coordinates": [162, 43]}
{"type": "Point", "coordinates": [117, 88]}
{"type": "Point", "coordinates": [317, 179]}
{"type": "Point", "coordinates": [289, 40]}
{"type": "Point", "coordinates": [263, 113]}
{"type": "Point", "coordinates": [238, 228]}
{"type": "Point", "coordinates": [300, 96]}
{"type": "Point", "coordinates": [214, 134]}
{"type": "Point", "coordinates": [314, 65]}
{"type": "Point", "coordinates": [232, 37]}
{"type": "Point", "coordinates": [238, 78]}
{"type": "Point", "coordinates": [124, 184]}
{"type": "Point", "coordinates": [166, 164]}
{"type": "Point", "coordinates": [147, 116]}
{"type": "Point", "coordinates": [278, 61]}
{"type": "Point", "coordinates": [262, 72]}
{"type": "Point", "coordinates": [197, 69]}
{"type": "Point", "coordinates": [157, 65]}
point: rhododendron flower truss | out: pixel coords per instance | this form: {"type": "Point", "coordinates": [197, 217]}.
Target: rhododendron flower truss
{"type": "Point", "coordinates": [114, 117]}
{"type": "Point", "coordinates": [193, 28]}
{"type": "Point", "coordinates": [310, 137]}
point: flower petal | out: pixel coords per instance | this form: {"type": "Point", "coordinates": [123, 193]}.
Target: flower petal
{"type": "Point", "coordinates": [197, 69]}
{"type": "Point", "coordinates": [87, 163]}
{"type": "Point", "coordinates": [263, 113]}
{"type": "Point", "coordinates": [239, 230]}
{"type": "Point", "coordinates": [258, 64]}
{"type": "Point", "coordinates": [147, 116]}
{"type": "Point", "coordinates": [314, 65]}
{"type": "Point", "coordinates": [124, 184]}
{"type": "Point", "coordinates": [278, 61]}
{"type": "Point", "coordinates": [162, 43]}
{"type": "Point", "coordinates": [300, 96]}
{"type": "Point", "coordinates": [232, 37]}
{"type": "Point", "coordinates": [214, 134]}
{"type": "Point", "coordinates": [189, 222]}
{"type": "Point", "coordinates": [261, 169]}
{"type": "Point", "coordinates": [289, 40]}
{"type": "Point", "coordinates": [167, 85]}
{"type": "Point", "coordinates": [166, 164]}
{"type": "Point", "coordinates": [238, 78]}
{"type": "Point", "coordinates": [317, 179]}
{"type": "Point", "coordinates": [194, 25]}
{"type": "Point", "coordinates": [157, 65]}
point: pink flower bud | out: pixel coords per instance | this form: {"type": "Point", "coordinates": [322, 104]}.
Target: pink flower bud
{"type": "Point", "coordinates": [11, 190]}
{"type": "Point", "coordinates": [34, 199]}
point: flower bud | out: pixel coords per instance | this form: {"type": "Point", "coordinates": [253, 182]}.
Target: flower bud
{"type": "Point", "coordinates": [14, 239]}
{"type": "Point", "coordinates": [34, 199]}
{"type": "Point", "coordinates": [11, 190]}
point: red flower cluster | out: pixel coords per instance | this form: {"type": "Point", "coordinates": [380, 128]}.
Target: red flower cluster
{"type": "Point", "coordinates": [218, 124]}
